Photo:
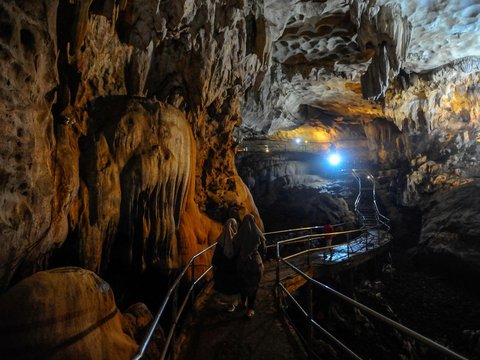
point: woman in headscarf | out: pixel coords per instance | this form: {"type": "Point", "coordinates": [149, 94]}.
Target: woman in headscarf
{"type": "Point", "coordinates": [224, 262]}
{"type": "Point", "coordinates": [251, 243]}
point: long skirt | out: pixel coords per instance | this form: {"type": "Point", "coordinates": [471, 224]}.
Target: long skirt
{"type": "Point", "coordinates": [250, 272]}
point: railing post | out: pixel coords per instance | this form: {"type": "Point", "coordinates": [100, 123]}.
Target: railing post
{"type": "Point", "coordinates": [310, 316]}
{"type": "Point", "coordinates": [193, 281]}
{"type": "Point", "coordinates": [348, 246]}
{"type": "Point", "coordinates": [277, 281]}
{"type": "Point", "coordinates": [174, 311]}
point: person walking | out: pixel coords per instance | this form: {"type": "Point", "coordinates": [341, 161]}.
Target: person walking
{"type": "Point", "coordinates": [252, 248]}
{"type": "Point", "coordinates": [224, 262]}
{"type": "Point", "coordinates": [328, 239]}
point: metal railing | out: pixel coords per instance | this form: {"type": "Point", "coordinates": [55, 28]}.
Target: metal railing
{"type": "Point", "coordinates": [176, 313]}
{"type": "Point", "coordinates": [294, 145]}
{"type": "Point", "coordinates": [380, 218]}
{"type": "Point", "coordinates": [172, 293]}
{"type": "Point", "coordinates": [308, 313]}
{"type": "Point", "coordinates": [310, 229]}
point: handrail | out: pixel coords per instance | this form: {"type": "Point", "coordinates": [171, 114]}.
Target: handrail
{"type": "Point", "coordinates": [318, 326]}
{"type": "Point", "coordinates": [382, 219]}
{"type": "Point", "coordinates": [300, 229]}
{"type": "Point", "coordinates": [170, 291]}
{"type": "Point", "coordinates": [432, 344]}
{"type": "Point", "coordinates": [179, 278]}
{"type": "Point", "coordinates": [288, 145]}
{"type": "Point", "coordinates": [154, 324]}
{"type": "Point", "coordinates": [145, 342]}
{"type": "Point", "coordinates": [172, 328]}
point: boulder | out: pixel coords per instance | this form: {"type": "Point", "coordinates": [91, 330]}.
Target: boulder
{"type": "Point", "coordinates": [64, 313]}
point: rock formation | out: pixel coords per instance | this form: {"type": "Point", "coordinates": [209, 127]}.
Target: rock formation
{"type": "Point", "coordinates": [92, 156]}
{"type": "Point", "coordinates": [66, 313]}
{"type": "Point", "coordinates": [121, 119]}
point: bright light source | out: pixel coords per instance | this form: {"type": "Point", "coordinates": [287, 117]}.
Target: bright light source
{"type": "Point", "coordinates": [334, 159]}
{"type": "Point", "coordinates": [298, 140]}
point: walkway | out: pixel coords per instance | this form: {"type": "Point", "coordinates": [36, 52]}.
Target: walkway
{"type": "Point", "coordinates": [216, 334]}
{"type": "Point", "coordinates": [361, 249]}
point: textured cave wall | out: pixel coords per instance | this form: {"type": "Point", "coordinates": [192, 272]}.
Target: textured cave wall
{"type": "Point", "coordinates": [329, 56]}
{"type": "Point", "coordinates": [95, 165]}
{"type": "Point", "coordinates": [297, 189]}
{"type": "Point", "coordinates": [29, 222]}
{"type": "Point", "coordinates": [439, 113]}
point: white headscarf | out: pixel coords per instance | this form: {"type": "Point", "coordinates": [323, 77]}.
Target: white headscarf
{"type": "Point", "coordinates": [249, 236]}
{"type": "Point", "coordinates": [226, 237]}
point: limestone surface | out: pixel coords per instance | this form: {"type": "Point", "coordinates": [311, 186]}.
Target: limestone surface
{"type": "Point", "coordinates": [66, 313]}
{"type": "Point", "coordinates": [121, 119]}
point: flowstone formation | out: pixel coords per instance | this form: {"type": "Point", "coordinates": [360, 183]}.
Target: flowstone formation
{"type": "Point", "coordinates": [94, 161]}
{"type": "Point", "coordinates": [121, 119]}
{"type": "Point", "coordinates": [117, 150]}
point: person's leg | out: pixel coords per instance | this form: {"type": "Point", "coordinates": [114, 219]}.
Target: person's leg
{"type": "Point", "coordinates": [329, 243]}
{"type": "Point", "coordinates": [243, 300]}
{"type": "Point", "coordinates": [231, 302]}
{"type": "Point", "coordinates": [251, 305]}
{"type": "Point", "coordinates": [251, 300]}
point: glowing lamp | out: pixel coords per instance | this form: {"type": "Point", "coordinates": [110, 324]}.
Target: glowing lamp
{"type": "Point", "coordinates": [334, 159]}
{"type": "Point", "coordinates": [298, 140]}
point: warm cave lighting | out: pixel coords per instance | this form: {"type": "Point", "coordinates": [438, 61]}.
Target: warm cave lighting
{"type": "Point", "coordinates": [334, 159]}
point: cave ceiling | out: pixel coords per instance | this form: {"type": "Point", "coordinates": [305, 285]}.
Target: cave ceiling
{"type": "Point", "coordinates": [334, 63]}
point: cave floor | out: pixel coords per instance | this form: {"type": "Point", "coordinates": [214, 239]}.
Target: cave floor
{"type": "Point", "coordinates": [214, 333]}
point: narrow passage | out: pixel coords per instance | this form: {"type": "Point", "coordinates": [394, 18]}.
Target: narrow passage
{"type": "Point", "coordinates": [213, 333]}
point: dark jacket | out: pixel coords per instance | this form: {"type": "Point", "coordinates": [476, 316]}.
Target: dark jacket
{"type": "Point", "coordinates": [225, 272]}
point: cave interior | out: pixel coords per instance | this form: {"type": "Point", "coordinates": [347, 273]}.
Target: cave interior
{"type": "Point", "coordinates": [131, 130]}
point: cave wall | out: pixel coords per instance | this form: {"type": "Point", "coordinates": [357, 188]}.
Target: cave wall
{"type": "Point", "coordinates": [438, 114]}
{"type": "Point", "coordinates": [297, 189]}
{"type": "Point", "coordinates": [80, 75]}
{"type": "Point", "coordinates": [117, 129]}
{"type": "Point", "coordinates": [332, 56]}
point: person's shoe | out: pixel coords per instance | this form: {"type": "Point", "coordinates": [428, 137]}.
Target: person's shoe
{"type": "Point", "coordinates": [250, 313]}
{"type": "Point", "coordinates": [231, 308]}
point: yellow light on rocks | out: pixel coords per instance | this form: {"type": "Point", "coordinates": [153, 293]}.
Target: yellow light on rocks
{"type": "Point", "coordinates": [305, 134]}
